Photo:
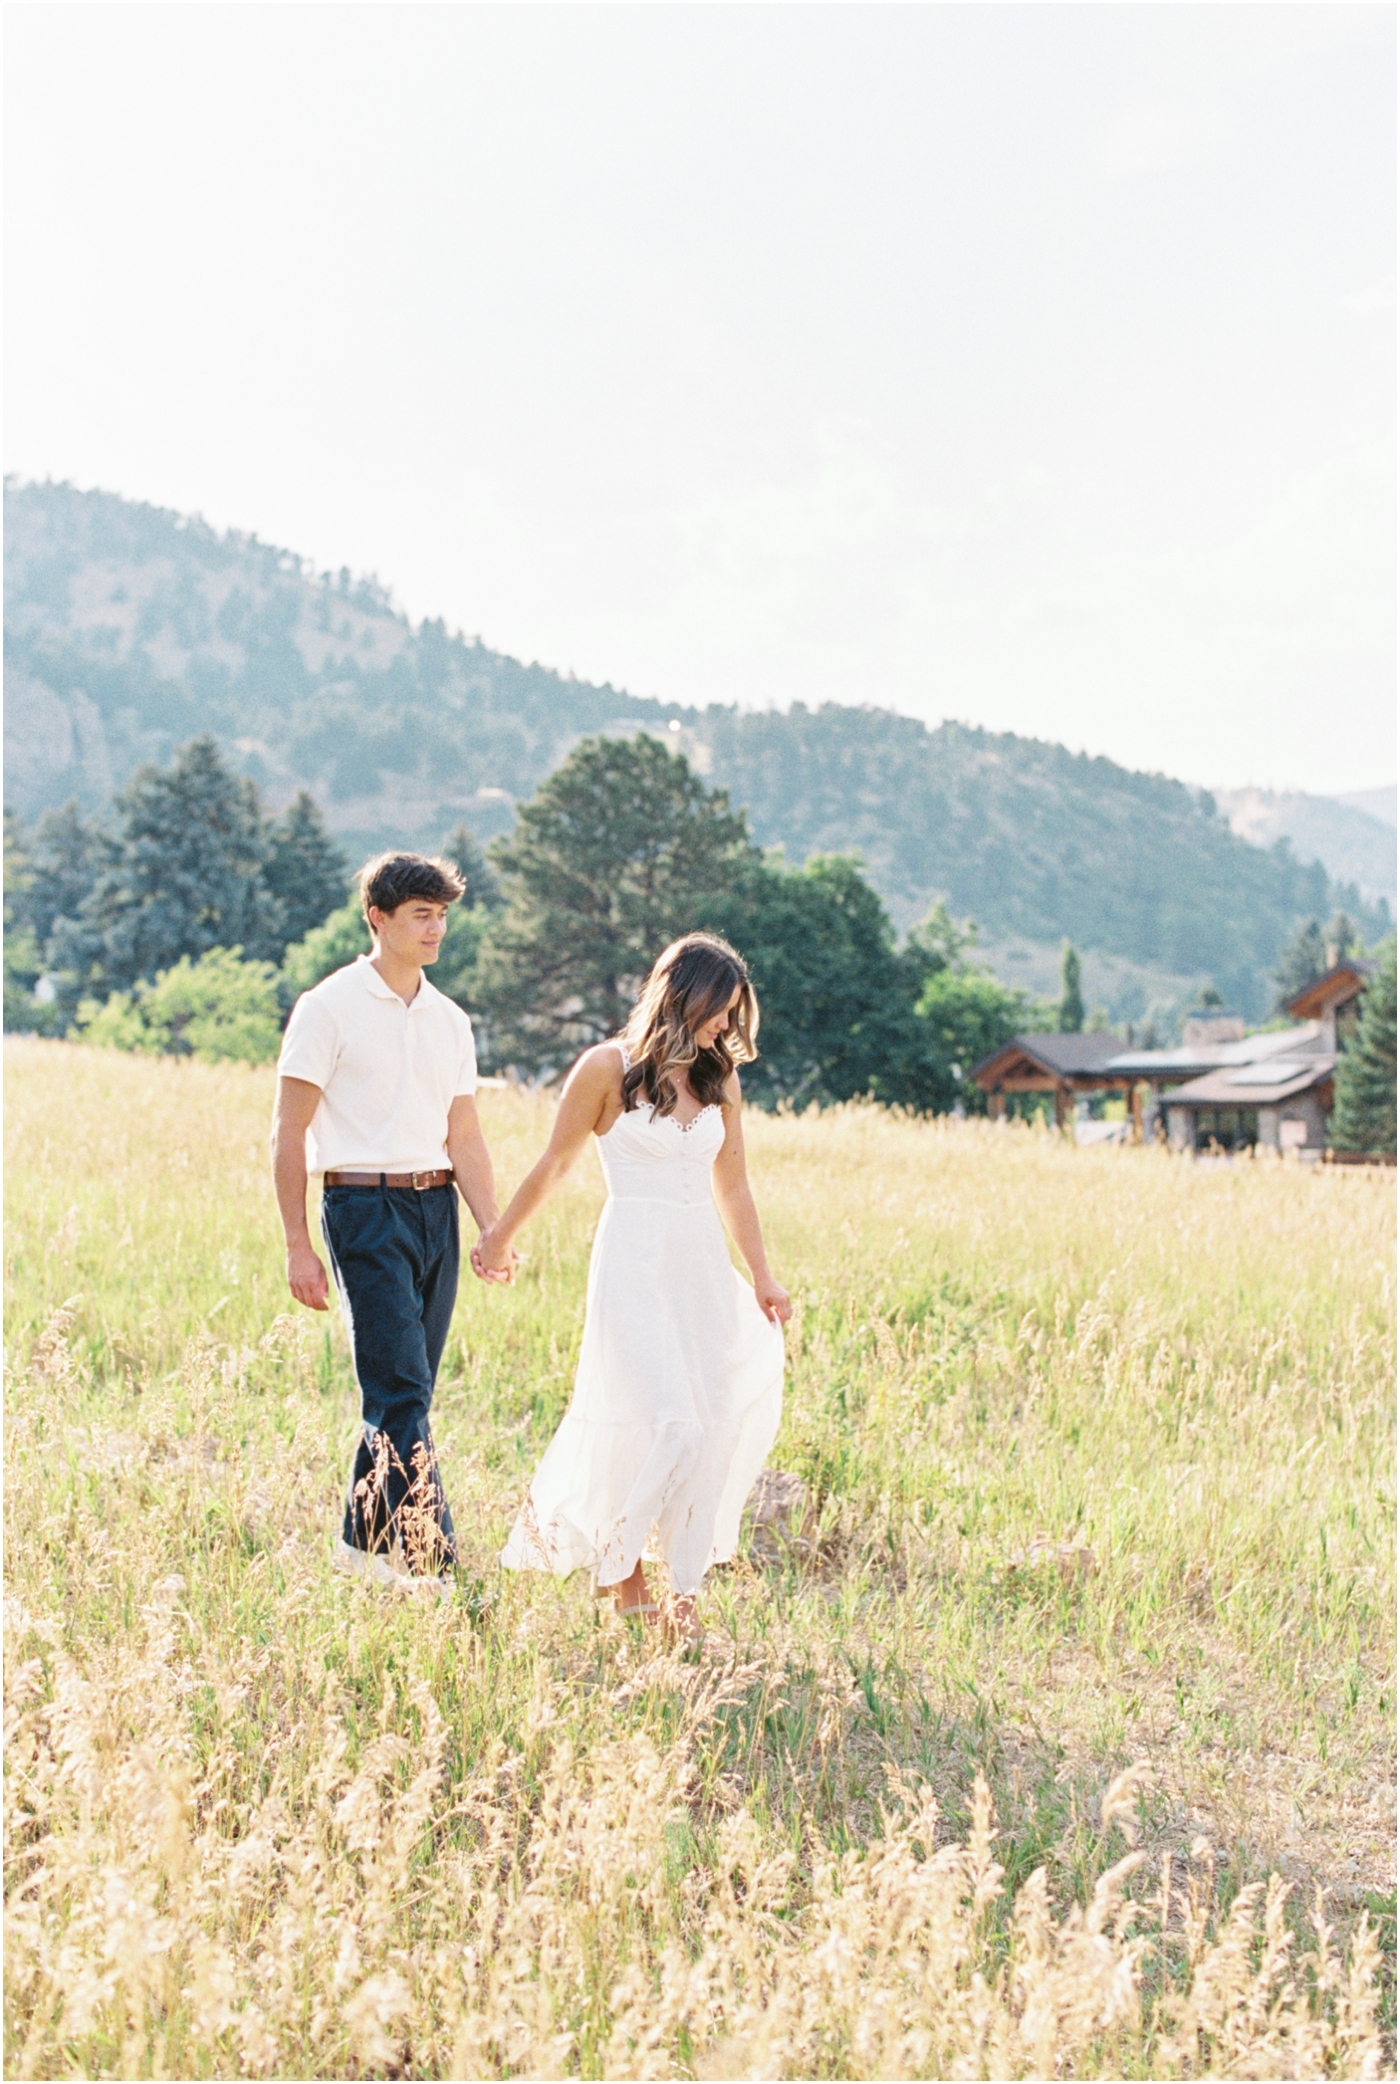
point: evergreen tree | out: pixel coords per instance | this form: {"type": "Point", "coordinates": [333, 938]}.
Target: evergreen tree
{"type": "Point", "coordinates": [938, 942]}
{"type": "Point", "coordinates": [21, 950]}
{"type": "Point", "coordinates": [483, 886]}
{"type": "Point", "coordinates": [1342, 941]}
{"type": "Point", "coordinates": [620, 850]}
{"type": "Point", "coordinates": [1071, 999]}
{"type": "Point", "coordinates": [304, 870]}
{"type": "Point", "coordinates": [183, 873]}
{"type": "Point", "coordinates": [65, 853]}
{"type": "Point", "coordinates": [1303, 958]}
{"type": "Point", "coordinates": [623, 849]}
{"type": "Point", "coordinates": [1364, 1116]}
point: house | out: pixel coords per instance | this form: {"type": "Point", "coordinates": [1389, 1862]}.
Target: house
{"type": "Point", "coordinates": [1221, 1089]}
{"type": "Point", "coordinates": [1061, 1065]}
{"type": "Point", "coordinates": [1215, 1087]}
{"type": "Point", "coordinates": [1281, 1097]}
{"type": "Point", "coordinates": [1281, 1101]}
{"type": "Point", "coordinates": [1074, 1065]}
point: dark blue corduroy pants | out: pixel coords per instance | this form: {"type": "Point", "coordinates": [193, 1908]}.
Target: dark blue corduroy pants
{"type": "Point", "coordinates": [394, 1252]}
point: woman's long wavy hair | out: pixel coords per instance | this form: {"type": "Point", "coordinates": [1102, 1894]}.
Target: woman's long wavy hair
{"type": "Point", "coordinates": [693, 980]}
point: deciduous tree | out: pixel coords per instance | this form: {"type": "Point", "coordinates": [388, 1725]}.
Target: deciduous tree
{"type": "Point", "coordinates": [837, 1003]}
{"type": "Point", "coordinates": [219, 1009]}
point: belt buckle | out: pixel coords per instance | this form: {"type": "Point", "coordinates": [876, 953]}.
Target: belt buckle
{"type": "Point", "coordinates": [420, 1181]}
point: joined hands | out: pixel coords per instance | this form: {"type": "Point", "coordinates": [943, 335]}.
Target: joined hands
{"type": "Point", "coordinates": [493, 1262]}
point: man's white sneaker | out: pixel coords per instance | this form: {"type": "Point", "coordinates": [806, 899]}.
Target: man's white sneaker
{"type": "Point", "coordinates": [360, 1563]}
{"type": "Point", "coordinates": [427, 1587]}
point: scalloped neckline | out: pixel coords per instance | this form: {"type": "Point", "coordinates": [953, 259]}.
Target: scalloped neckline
{"type": "Point", "coordinates": [685, 1127]}
{"type": "Point", "coordinates": [710, 1106]}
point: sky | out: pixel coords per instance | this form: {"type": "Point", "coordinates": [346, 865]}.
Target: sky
{"type": "Point", "coordinates": [1031, 365]}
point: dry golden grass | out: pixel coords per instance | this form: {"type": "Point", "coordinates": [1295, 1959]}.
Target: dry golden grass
{"type": "Point", "coordinates": [985, 1771]}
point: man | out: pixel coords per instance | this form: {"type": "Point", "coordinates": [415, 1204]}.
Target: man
{"type": "Point", "coordinates": [375, 1092]}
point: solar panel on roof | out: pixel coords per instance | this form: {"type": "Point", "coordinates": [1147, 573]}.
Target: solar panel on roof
{"type": "Point", "coordinates": [1275, 1073]}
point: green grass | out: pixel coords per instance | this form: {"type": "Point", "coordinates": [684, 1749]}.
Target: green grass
{"type": "Point", "coordinates": [1099, 1453]}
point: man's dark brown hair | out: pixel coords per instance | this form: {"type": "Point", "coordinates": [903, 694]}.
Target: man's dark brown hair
{"type": "Point", "coordinates": [390, 880]}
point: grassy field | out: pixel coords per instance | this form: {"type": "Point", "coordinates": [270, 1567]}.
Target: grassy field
{"type": "Point", "coordinates": [986, 1770]}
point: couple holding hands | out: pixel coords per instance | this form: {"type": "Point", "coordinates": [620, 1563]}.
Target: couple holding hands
{"type": "Point", "coordinates": [678, 1390]}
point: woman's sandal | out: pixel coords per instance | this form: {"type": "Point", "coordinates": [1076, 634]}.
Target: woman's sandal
{"type": "Point", "coordinates": [644, 1610]}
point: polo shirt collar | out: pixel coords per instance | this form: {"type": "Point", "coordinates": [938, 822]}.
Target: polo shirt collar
{"type": "Point", "coordinates": [371, 977]}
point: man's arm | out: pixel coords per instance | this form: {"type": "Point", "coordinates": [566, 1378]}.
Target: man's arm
{"type": "Point", "coordinates": [297, 1101]}
{"type": "Point", "coordinates": [470, 1160]}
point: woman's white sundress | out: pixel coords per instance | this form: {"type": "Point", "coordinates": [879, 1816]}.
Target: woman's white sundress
{"type": "Point", "coordinates": [680, 1376]}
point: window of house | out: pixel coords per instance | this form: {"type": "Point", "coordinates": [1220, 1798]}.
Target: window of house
{"type": "Point", "coordinates": [1227, 1128]}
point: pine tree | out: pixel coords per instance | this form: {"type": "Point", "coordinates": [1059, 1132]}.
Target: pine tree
{"type": "Point", "coordinates": [21, 964]}
{"type": "Point", "coordinates": [483, 885]}
{"type": "Point", "coordinates": [183, 872]}
{"type": "Point", "coordinates": [1342, 941]}
{"type": "Point", "coordinates": [1303, 959]}
{"type": "Point", "coordinates": [306, 873]}
{"type": "Point", "coordinates": [1364, 1116]}
{"type": "Point", "coordinates": [65, 852]}
{"type": "Point", "coordinates": [1071, 999]}
{"type": "Point", "coordinates": [618, 852]}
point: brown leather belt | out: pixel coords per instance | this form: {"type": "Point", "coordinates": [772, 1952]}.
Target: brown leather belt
{"type": "Point", "coordinates": [416, 1180]}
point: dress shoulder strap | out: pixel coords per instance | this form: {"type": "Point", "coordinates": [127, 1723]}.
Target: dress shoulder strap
{"type": "Point", "coordinates": [626, 1059]}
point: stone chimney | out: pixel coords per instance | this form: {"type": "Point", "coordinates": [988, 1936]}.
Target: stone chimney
{"type": "Point", "coordinates": [1200, 1029]}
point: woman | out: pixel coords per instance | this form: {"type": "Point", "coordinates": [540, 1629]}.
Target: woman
{"type": "Point", "coordinates": [679, 1385]}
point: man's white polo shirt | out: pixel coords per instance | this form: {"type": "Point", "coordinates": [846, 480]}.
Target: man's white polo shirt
{"type": "Point", "coordinates": [388, 1072]}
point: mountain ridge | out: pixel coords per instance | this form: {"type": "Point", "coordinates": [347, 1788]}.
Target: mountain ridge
{"type": "Point", "coordinates": [1352, 844]}
{"type": "Point", "coordinates": [130, 629]}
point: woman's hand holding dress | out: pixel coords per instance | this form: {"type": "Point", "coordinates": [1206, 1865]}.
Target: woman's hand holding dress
{"type": "Point", "coordinates": [773, 1299]}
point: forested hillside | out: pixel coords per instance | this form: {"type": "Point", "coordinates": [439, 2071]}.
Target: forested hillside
{"type": "Point", "coordinates": [130, 629]}
{"type": "Point", "coordinates": [1027, 838]}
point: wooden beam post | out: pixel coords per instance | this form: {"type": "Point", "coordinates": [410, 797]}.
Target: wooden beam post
{"type": "Point", "coordinates": [1135, 1102]}
{"type": "Point", "coordinates": [996, 1104]}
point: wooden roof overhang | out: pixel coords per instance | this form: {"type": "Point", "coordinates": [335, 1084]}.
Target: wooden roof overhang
{"type": "Point", "coordinates": [1347, 981]}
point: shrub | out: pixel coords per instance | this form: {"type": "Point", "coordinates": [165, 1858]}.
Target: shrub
{"type": "Point", "coordinates": [218, 1009]}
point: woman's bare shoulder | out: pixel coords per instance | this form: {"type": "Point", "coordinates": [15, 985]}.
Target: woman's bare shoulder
{"type": "Point", "coordinates": [601, 1066]}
